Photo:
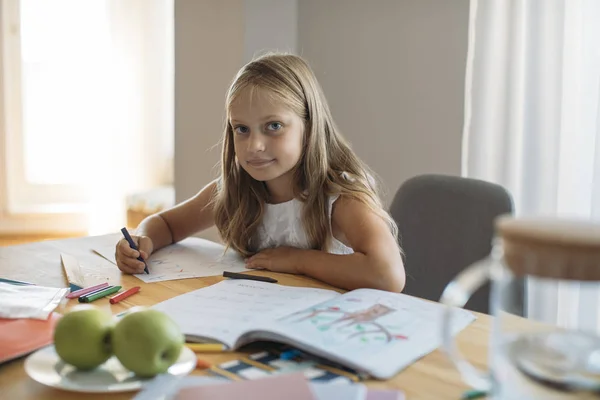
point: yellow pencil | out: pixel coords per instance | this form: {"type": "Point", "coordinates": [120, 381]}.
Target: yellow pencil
{"type": "Point", "coordinates": [206, 347]}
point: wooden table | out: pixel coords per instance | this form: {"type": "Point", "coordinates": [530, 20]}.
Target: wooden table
{"type": "Point", "coordinates": [432, 377]}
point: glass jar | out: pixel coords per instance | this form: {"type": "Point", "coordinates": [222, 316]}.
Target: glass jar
{"type": "Point", "coordinates": [532, 358]}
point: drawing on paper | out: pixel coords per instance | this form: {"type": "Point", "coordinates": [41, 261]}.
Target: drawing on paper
{"type": "Point", "coordinates": [360, 324]}
{"type": "Point", "coordinates": [191, 258]}
{"type": "Point", "coordinates": [174, 256]}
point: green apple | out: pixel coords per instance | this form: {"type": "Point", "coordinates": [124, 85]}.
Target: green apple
{"type": "Point", "coordinates": [82, 337]}
{"type": "Point", "coordinates": [147, 342]}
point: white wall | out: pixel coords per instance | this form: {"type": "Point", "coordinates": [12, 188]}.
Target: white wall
{"type": "Point", "coordinates": [270, 25]}
{"type": "Point", "coordinates": [209, 48]}
{"type": "Point", "coordinates": [392, 70]}
{"type": "Point", "coordinates": [213, 39]}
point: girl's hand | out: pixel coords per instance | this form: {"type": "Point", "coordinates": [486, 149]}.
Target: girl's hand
{"type": "Point", "coordinates": [127, 257]}
{"type": "Point", "coordinates": [280, 259]}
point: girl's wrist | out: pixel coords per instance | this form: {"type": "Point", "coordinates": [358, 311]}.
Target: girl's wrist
{"type": "Point", "coordinates": [304, 259]}
{"type": "Point", "coordinates": [299, 260]}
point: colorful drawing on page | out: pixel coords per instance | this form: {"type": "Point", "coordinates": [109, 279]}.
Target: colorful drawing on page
{"type": "Point", "coordinates": [359, 324]}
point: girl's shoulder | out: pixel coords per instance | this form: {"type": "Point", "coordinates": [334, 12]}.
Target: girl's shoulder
{"type": "Point", "coordinates": [349, 177]}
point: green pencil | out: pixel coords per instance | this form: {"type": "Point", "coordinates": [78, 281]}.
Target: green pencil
{"type": "Point", "coordinates": [99, 295]}
{"type": "Point", "coordinates": [473, 394]}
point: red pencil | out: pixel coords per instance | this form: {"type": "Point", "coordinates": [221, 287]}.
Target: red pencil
{"type": "Point", "coordinates": [123, 295]}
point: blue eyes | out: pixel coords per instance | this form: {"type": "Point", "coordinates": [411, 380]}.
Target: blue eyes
{"type": "Point", "coordinates": [241, 130]}
{"type": "Point", "coordinates": [274, 126]}
{"type": "Point", "coordinates": [271, 126]}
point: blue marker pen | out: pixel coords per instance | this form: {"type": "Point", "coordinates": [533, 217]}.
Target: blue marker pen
{"type": "Point", "coordinates": [133, 246]}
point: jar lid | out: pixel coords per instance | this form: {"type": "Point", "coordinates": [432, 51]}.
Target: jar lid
{"type": "Point", "coordinates": [551, 247]}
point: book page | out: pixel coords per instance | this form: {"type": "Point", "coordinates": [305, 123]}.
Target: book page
{"type": "Point", "coordinates": [228, 309]}
{"type": "Point", "coordinates": [369, 330]}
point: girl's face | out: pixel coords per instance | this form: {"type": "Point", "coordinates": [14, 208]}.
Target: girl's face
{"type": "Point", "coordinates": [267, 137]}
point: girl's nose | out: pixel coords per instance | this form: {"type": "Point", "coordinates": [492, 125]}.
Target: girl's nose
{"type": "Point", "coordinates": [256, 143]}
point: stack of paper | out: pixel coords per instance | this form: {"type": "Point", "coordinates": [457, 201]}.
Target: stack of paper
{"type": "Point", "coordinates": [29, 301]}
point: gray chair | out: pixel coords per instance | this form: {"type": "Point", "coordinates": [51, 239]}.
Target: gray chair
{"type": "Point", "coordinates": [445, 224]}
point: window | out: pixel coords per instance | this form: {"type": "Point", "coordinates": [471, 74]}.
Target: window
{"type": "Point", "coordinates": [77, 76]}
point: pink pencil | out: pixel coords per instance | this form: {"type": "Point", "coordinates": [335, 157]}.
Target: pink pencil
{"type": "Point", "coordinates": [87, 290]}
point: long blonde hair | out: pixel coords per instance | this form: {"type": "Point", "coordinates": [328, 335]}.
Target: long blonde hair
{"type": "Point", "coordinates": [327, 167]}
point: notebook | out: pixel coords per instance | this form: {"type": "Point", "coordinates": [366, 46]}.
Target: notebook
{"type": "Point", "coordinates": [20, 337]}
{"type": "Point", "coordinates": [371, 331]}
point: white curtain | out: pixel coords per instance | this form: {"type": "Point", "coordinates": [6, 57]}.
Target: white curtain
{"type": "Point", "coordinates": [134, 147]}
{"type": "Point", "coordinates": [532, 122]}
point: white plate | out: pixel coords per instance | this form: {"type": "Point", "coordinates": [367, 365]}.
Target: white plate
{"type": "Point", "coordinates": [48, 369]}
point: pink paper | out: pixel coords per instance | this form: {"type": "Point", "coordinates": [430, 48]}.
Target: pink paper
{"type": "Point", "coordinates": [287, 386]}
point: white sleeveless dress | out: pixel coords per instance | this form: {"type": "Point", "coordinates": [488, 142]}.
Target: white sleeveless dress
{"type": "Point", "coordinates": [282, 226]}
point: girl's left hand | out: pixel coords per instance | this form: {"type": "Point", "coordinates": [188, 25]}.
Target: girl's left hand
{"type": "Point", "coordinates": [280, 259]}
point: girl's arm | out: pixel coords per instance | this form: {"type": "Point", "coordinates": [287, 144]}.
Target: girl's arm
{"type": "Point", "coordinates": [183, 220]}
{"type": "Point", "coordinates": [376, 262]}
{"type": "Point", "coordinates": [167, 227]}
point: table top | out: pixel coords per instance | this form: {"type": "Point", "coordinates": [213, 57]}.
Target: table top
{"type": "Point", "coordinates": [431, 377]}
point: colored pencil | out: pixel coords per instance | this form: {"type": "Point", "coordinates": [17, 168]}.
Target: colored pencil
{"type": "Point", "coordinates": [206, 347]}
{"type": "Point", "coordinates": [123, 295]}
{"type": "Point", "coordinates": [98, 295]}
{"type": "Point", "coordinates": [87, 290]}
{"type": "Point", "coordinates": [235, 275]}
{"type": "Point", "coordinates": [133, 246]}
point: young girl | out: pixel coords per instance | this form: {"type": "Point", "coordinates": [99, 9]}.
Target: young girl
{"type": "Point", "coordinates": [292, 196]}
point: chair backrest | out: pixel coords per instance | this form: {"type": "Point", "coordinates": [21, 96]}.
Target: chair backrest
{"type": "Point", "coordinates": [445, 224]}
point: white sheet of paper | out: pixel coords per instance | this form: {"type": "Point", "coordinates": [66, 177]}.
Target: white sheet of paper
{"type": "Point", "coordinates": [105, 246]}
{"type": "Point", "coordinates": [191, 258]}
{"type": "Point", "coordinates": [73, 270]}
{"type": "Point", "coordinates": [106, 252]}
{"type": "Point", "coordinates": [29, 301]}
{"type": "Point", "coordinates": [45, 256]}
{"type": "Point", "coordinates": [225, 310]}
{"type": "Point", "coordinates": [93, 268]}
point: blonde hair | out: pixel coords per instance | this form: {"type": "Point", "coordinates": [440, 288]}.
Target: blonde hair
{"type": "Point", "coordinates": [327, 167]}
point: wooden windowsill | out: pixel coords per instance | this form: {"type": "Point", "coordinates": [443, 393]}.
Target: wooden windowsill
{"type": "Point", "coordinates": [11, 240]}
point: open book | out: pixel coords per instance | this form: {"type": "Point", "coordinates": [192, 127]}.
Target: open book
{"type": "Point", "coordinates": [371, 331]}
